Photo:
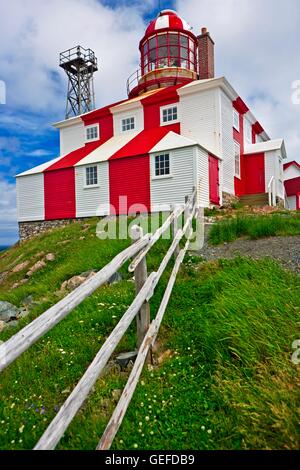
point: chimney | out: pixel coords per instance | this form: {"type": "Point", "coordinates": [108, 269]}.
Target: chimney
{"type": "Point", "coordinates": [206, 59]}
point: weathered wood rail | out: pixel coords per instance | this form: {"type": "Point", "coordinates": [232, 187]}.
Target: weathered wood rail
{"type": "Point", "coordinates": [139, 308]}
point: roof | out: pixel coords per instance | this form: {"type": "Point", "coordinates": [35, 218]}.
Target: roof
{"type": "Point", "coordinates": [39, 168]}
{"type": "Point", "coordinates": [167, 19]}
{"type": "Point", "coordinates": [142, 143]}
{"type": "Point", "coordinates": [171, 141]}
{"type": "Point", "coordinates": [268, 146]}
{"type": "Point", "coordinates": [109, 148]}
{"type": "Point", "coordinates": [113, 107]}
{"type": "Point", "coordinates": [292, 186]}
{"type": "Point", "coordinates": [287, 165]}
{"type": "Point", "coordinates": [73, 157]}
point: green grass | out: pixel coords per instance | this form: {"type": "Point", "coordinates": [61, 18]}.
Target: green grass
{"type": "Point", "coordinates": [228, 383]}
{"type": "Point", "coordinates": [254, 227]}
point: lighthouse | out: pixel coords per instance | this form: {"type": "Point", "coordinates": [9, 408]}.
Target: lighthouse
{"type": "Point", "coordinates": [169, 55]}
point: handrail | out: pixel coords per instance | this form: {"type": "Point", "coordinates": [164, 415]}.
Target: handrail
{"type": "Point", "coordinates": [26, 337]}
{"type": "Point", "coordinates": [67, 412]}
{"type": "Point", "coordinates": [271, 192]}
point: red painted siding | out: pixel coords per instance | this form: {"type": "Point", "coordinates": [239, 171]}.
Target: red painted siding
{"type": "Point", "coordinates": [105, 121]}
{"type": "Point", "coordinates": [214, 192]}
{"type": "Point", "coordinates": [255, 172]}
{"type": "Point", "coordinates": [153, 103]}
{"type": "Point", "coordinates": [130, 177]}
{"type": "Point", "coordinates": [59, 188]}
{"type": "Point", "coordinates": [298, 201]}
{"type": "Point", "coordinates": [74, 157]}
{"type": "Point", "coordinates": [144, 142]}
{"type": "Point", "coordinates": [292, 186]}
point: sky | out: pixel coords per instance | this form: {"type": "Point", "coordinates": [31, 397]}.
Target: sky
{"type": "Point", "coordinates": [257, 49]}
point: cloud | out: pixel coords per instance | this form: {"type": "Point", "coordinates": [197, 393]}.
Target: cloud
{"type": "Point", "coordinates": [257, 49]}
{"type": "Point", "coordinates": [33, 33]}
{"type": "Point", "coordinates": [8, 213]}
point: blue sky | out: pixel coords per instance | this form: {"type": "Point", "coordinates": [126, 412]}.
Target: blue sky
{"type": "Point", "coordinates": [256, 48]}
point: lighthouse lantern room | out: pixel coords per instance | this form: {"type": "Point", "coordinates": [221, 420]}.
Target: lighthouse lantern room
{"type": "Point", "coordinates": [168, 55]}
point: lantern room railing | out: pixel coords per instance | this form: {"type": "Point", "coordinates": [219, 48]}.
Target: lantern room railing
{"type": "Point", "coordinates": [138, 83]}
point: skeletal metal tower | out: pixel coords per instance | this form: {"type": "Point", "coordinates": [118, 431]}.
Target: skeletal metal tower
{"type": "Point", "coordinates": [79, 65]}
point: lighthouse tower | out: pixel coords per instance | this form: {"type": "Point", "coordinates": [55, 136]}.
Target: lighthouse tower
{"type": "Point", "coordinates": [169, 55]}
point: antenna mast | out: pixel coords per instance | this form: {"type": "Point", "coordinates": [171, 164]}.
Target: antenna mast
{"type": "Point", "coordinates": [79, 65]}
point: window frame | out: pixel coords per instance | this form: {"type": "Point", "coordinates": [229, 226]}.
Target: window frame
{"type": "Point", "coordinates": [93, 185]}
{"type": "Point", "coordinates": [164, 176]}
{"type": "Point", "coordinates": [166, 108]}
{"type": "Point", "coordinates": [234, 114]}
{"type": "Point", "coordinates": [127, 118]}
{"type": "Point", "coordinates": [237, 146]}
{"type": "Point", "coordinates": [153, 57]}
{"type": "Point", "coordinates": [91, 126]}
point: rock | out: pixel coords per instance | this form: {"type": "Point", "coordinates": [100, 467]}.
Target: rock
{"type": "Point", "coordinates": [116, 394]}
{"type": "Point", "coordinates": [20, 267]}
{"type": "Point", "coordinates": [23, 313]}
{"type": "Point", "coordinates": [124, 359]}
{"type": "Point", "coordinates": [36, 267]}
{"type": "Point", "coordinates": [2, 325]}
{"type": "Point", "coordinates": [8, 312]}
{"type": "Point", "coordinates": [27, 300]}
{"type": "Point", "coordinates": [116, 277]}
{"type": "Point", "coordinates": [19, 283]}
{"type": "Point", "coordinates": [50, 257]}
{"type": "Point", "coordinates": [165, 355]}
{"type": "Point", "coordinates": [12, 323]}
{"type": "Point", "coordinates": [3, 275]}
{"type": "Point", "coordinates": [76, 281]}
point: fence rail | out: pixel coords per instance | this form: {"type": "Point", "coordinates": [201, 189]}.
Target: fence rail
{"type": "Point", "coordinates": [139, 308]}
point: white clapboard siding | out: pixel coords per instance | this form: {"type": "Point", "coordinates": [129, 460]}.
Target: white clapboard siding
{"type": "Point", "coordinates": [30, 197]}
{"type": "Point", "coordinates": [200, 118]}
{"type": "Point", "coordinates": [173, 189]}
{"type": "Point", "coordinates": [91, 201]}
{"type": "Point", "coordinates": [135, 111]}
{"type": "Point", "coordinates": [291, 203]}
{"type": "Point", "coordinates": [269, 168]}
{"type": "Point", "coordinates": [227, 152]}
{"type": "Point", "coordinates": [273, 167]}
{"type": "Point", "coordinates": [72, 137]}
{"type": "Point", "coordinates": [292, 171]}
{"type": "Point", "coordinates": [202, 177]}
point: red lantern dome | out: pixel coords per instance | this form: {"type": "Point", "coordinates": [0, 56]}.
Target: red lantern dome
{"type": "Point", "coordinates": [167, 19]}
{"type": "Point", "coordinates": [168, 55]}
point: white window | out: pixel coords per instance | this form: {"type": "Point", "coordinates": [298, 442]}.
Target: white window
{"type": "Point", "coordinates": [168, 114]}
{"type": "Point", "coordinates": [92, 133]}
{"type": "Point", "coordinates": [236, 120]}
{"type": "Point", "coordinates": [91, 176]}
{"type": "Point", "coordinates": [162, 165]}
{"type": "Point", "coordinates": [128, 124]}
{"type": "Point", "coordinates": [248, 132]}
{"type": "Point", "coordinates": [237, 160]}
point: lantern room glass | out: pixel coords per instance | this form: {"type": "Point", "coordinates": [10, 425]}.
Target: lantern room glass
{"type": "Point", "coordinates": [169, 49]}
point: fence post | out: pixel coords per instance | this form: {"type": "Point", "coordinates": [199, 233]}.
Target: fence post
{"type": "Point", "coordinates": [140, 277]}
{"type": "Point", "coordinates": [174, 227]}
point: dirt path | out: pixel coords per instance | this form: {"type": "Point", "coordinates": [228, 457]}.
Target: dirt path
{"type": "Point", "coordinates": [284, 249]}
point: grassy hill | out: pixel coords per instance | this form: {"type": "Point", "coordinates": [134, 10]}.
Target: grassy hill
{"type": "Point", "coordinates": [224, 380]}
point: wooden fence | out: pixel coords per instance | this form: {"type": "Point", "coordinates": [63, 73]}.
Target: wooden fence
{"type": "Point", "coordinates": [146, 331]}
